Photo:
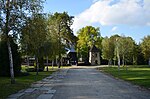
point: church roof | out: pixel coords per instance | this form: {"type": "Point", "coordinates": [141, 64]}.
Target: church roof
{"type": "Point", "coordinates": [94, 49]}
{"type": "Point", "coordinates": [71, 50]}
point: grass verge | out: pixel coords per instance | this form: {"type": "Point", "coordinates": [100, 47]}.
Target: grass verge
{"type": "Point", "coordinates": [22, 82]}
{"type": "Point", "coordinates": [138, 75]}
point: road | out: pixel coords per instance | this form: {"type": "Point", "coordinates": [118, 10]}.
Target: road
{"type": "Point", "coordinates": [89, 83]}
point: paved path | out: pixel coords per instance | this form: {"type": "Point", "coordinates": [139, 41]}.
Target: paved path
{"type": "Point", "coordinates": [92, 84]}
{"type": "Point", "coordinates": [81, 83]}
{"type": "Point", "coordinates": [41, 89]}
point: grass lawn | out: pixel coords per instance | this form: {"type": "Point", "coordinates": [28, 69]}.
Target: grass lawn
{"type": "Point", "coordinates": [139, 75]}
{"type": "Point", "coordinates": [22, 82]}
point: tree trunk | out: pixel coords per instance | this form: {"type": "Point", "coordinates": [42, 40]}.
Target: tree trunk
{"type": "Point", "coordinates": [56, 60]}
{"type": "Point", "coordinates": [37, 66]}
{"type": "Point", "coordinates": [109, 62]}
{"type": "Point", "coordinates": [52, 64]}
{"type": "Point", "coordinates": [59, 46]}
{"type": "Point", "coordinates": [114, 62]}
{"type": "Point", "coordinates": [123, 61]}
{"type": "Point", "coordinates": [126, 66]}
{"type": "Point", "coordinates": [47, 63]}
{"type": "Point", "coordinates": [28, 62]}
{"type": "Point", "coordinates": [149, 61]}
{"type": "Point", "coordinates": [8, 42]}
{"type": "Point", "coordinates": [134, 60]}
{"type": "Point", "coordinates": [11, 62]}
{"type": "Point", "coordinates": [118, 56]}
{"type": "Point", "coordinates": [59, 61]}
{"type": "Point", "coordinates": [118, 63]}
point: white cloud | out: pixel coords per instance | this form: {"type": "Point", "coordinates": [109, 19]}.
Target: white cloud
{"type": "Point", "coordinates": [148, 24]}
{"type": "Point", "coordinates": [95, 1]}
{"type": "Point", "coordinates": [114, 28]}
{"type": "Point", "coordinates": [109, 12]}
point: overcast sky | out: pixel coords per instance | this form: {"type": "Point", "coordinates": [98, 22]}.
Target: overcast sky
{"type": "Point", "coordinates": [123, 17]}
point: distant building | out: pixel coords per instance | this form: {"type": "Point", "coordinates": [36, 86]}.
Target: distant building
{"type": "Point", "coordinates": [72, 55]}
{"type": "Point", "coordinates": [94, 56]}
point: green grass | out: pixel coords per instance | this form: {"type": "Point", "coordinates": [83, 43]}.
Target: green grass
{"type": "Point", "coordinates": [49, 67]}
{"type": "Point", "coordinates": [139, 75]}
{"type": "Point", "coordinates": [22, 82]}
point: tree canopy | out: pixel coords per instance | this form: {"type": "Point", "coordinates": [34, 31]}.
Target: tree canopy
{"type": "Point", "coordinates": [13, 14]}
{"type": "Point", "coordinates": [59, 28]}
{"type": "Point", "coordinates": [145, 46]}
{"type": "Point", "coordinates": [88, 36]}
{"type": "Point", "coordinates": [107, 49]}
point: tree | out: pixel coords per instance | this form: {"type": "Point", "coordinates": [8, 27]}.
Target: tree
{"type": "Point", "coordinates": [126, 48]}
{"type": "Point", "coordinates": [135, 54]}
{"type": "Point", "coordinates": [87, 36]}
{"type": "Point", "coordinates": [13, 15]}
{"type": "Point", "coordinates": [117, 51]}
{"type": "Point", "coordinates": [59, 24]}
{"type": "Point", "coordinates": [50, 47]}
{"type": "Point", "coordinates": [145, 46]}
{"type": "Point", "coordinates": [4, 59]}
{"type": "Point", "coordinates": [34, 36]}
{"type": "Point", "coordinates": [107, 50]}
{"type": "Point", "coordinates": [113, 40]}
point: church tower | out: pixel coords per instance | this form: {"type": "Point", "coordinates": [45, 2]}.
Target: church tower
{"type": "Point", "coordinates": [94, 56]}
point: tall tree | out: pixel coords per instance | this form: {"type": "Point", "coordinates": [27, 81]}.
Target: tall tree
{"type": "Point", "coordinates": [50, 46]}
{"type": "Point", "coordinates": [140, 56]}
{"type": "Point", "coordinates": [34, 36]}
{"type": "Point", "coordinates": [108, 50]}
{"type": "Point", "coordinates": [124, 48]}
{"type": "Point", "coordinates": [12, 16]}
{"type": "Point", "coordinates": [145, 45]}
{"type": "Point", "coordinates": [60, 26]}
{"type": "Point", "coordinates": [88, 36]}
{"type": "Point", "coordinates": [117, 51]}
{"type": "Point", "coordinates": [127, 47]}
{"type": "Point", "coordinates": [135, 53]}
{"type": "Point", "coordinates": [114, 43]}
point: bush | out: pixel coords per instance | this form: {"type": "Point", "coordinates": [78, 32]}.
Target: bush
{"type": "Point", "coordinates": [4, 58]}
